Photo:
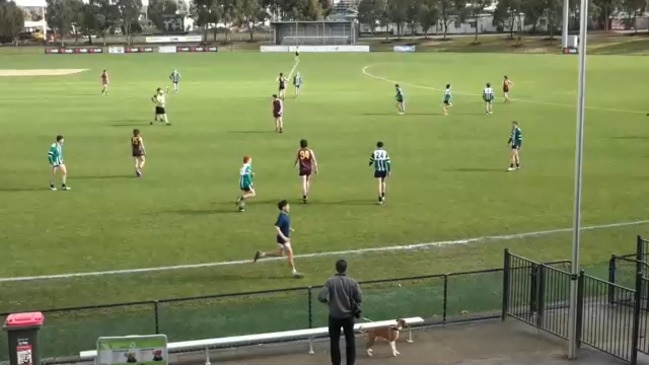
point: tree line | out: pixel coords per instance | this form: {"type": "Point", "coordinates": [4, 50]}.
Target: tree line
{"type": "Point", "coordinates": [103, 17]}
{"type": "Point", "coordinates": [508, 15]}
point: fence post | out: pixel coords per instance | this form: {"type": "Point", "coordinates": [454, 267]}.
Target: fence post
{"type": "Point", "coordinates": [540, 294]}
{"type": "Point", "coordinates": [611, 278]}
{"type": "Point", "coordinates": [639, 251]}
{"type": "Point", "coordinates": [156, 318]}
{"type": "Point", "coordinates": [310, 305]}
{"type": "Point", "coordinates": [506, 284]}
{"type": "Point", "coordinates": [580, 306]}
{"type": "Point", "coordinates": [533, 288]}
{"type": "Point", "coordinates": [637, 306]}
{"type": "Point", "coordinates": [445, 302]}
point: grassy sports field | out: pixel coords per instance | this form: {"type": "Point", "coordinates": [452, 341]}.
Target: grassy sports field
{"type": "Point", "coordinates": [449, 180]}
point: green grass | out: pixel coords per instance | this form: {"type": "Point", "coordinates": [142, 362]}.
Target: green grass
{"type": "Point", "coordinates": [449, 182]}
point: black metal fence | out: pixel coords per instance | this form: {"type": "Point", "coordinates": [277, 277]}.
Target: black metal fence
{"type": "Point", "coordinates": [440, 299]}
{"type": "Point", "coordinates": [609, 315]}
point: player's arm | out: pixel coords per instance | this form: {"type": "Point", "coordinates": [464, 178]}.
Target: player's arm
{"type": "Point", "coordinates": [142, 144]}
{"type": "Point", "coordinates": [388, 164]}
{"type": "Point", "coordinates": [153, 99]}
{"type": "Point", "coordinates": [315, 162]}
{"type": "Point", "coordinates": [51, 153]}
{"type": "Point", "coordinates": [279, 232]}
{"type": "Point", "coordinates": [297, 158]}
{"type": "Point", "coordinates": [371, 159]}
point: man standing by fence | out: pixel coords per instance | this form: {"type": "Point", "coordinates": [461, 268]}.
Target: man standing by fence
{"type": "Point", "coordinates": [343, 296]}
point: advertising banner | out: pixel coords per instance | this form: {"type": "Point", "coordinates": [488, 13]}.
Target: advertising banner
{"type": "Point", "coordinates": [186, 49]}
{"type": "Point", "coordinates": [129, 350]}
{"type": "Point", "coordinates": [138, 50]}
{"type": "Point", "coordinates": [273, 49]}
{"type": "Point", "coordinates": [116, 50]}
{"type": "Point", "coordinates": [167, 49]}
{"type": "Point", "coordinates": [175, 39]}
{"type": "Point", "coordinates": [404, 48]}
{"type": "Point", "coordinates": [327, 49]}
{"type": "Point", "coordinates": [75, 50]}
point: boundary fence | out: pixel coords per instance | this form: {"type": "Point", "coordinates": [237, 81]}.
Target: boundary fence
{"type": "Point", "coordinates": [610, 315]}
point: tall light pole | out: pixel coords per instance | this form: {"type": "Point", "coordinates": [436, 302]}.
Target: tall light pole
{"type": "Point", "coordinates": [579, 148]}
{"type": "Point", "coordinates": [566, 23]}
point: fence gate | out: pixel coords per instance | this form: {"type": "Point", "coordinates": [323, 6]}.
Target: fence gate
{"type": "Point", "coordinates": [539, 293]}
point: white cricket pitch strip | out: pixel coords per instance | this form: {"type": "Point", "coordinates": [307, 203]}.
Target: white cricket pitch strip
{"type": "Point", "coordinates": [381, 78]}
{"type": "Point", "coordinates": [411, 247]}
{"type": "Point", "coordinates": [41, 72]}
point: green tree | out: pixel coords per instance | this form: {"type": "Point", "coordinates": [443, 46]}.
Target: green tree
{"type": "Point", "coordinates": [552, 14]}
{"type": "Point", "coordinates": [130, 11]}
{"type": "Point", "coordinates": [476, 8]}
{"type": "Point", "coordinates": [78, 18]}
{"type": "Point", "coordinates": [397, 14]}
{"type": "Point", "coordinates": [252, 13]}
{"type": "Point", "coordinates": [371, 12]}
{"type": "Point", "coordinates": [412, 15]}
{"type": "Point", "coordinates": [533, 10]}
{"type": "Point", "coordinates": [428, 15]}
{"type": "Point", "coordinates": [106, 16]}
{"type": "Point", "coordinates": [60, 15]}
{"type": "Point", "coordinates": [507, 15]}
{"type": "Point", "coordinates": [632, 8]}
{"type": "Point", "coordinates": [158, 9]}
{"type": "Point", "coordinates": [12, 21]}
{"type": "Point", "coordinates": [206, 14]}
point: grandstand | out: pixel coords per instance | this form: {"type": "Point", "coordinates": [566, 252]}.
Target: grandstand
{"type": "Point", "coordinates": [314, 33]}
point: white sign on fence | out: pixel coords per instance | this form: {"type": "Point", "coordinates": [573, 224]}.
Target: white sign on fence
{"type": "Point", "coordinates": [175, 39]}
{"type": "Point", "coordinates": [167, 49]}
{"type": "Point", "coordinates": [116, 50]}
{"type": "Point", "coordinates": [315, 49]}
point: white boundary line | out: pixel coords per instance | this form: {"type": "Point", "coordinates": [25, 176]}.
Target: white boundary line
{"type": "Point", "coordinates": [417, 246]}
{"type": "Point", "coordinates": [376, 77]}
{"type": "Point", "coordinates": [297, 62]}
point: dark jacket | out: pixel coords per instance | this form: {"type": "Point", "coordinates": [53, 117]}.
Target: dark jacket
{"type": "Point", "coordinates": [339, 292]}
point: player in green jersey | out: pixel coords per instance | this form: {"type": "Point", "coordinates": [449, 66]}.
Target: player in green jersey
{"type": "Point", "coordinates": [175, 80]}
{"type": "Point", "coordinates": [245, 183]}
{"type": "Point", "coordinates": [447, 99]}
{"type": "Point", "coordinates": [297, 82]}
{"type": "Point", "coordinates": [515, 142]}
{"type": "Point", "coordinates": [382, 168]}
{"type": "Point", "coordinates": [55, 158]}
{"type": "Point", "coordinates": [401, 105]}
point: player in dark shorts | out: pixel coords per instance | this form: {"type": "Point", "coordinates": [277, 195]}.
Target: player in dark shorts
{"type": "Point", "coordinates": [278, 112]}
{"type": "Point", "coordinates": [137, 147]}
{"type": "Point", "coordinates": [507, 83]}
{"type": "Point", "coordinates": [308, 165]}
{"type": "Point", "coordinates": [282, 86]}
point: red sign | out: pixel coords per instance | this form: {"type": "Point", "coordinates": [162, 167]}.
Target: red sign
{"type": "Point", "coordinates": [196, 49]}
{"type": "Point", "coordinates": [138, 50]}
{"type": "Point", "coordinates": [76, 50]}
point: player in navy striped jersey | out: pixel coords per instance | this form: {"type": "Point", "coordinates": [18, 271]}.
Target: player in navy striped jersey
{"type": "Point", "coordinates": [515, 142]}
{"type": "Point", "coordinates": [382, 168]}
{"type": "Point", "coordinates": [447, 99]}
{"type": "Point", "coordinates": [488, 97]}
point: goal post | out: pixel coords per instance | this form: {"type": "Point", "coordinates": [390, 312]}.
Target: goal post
{"type": "Point", "coordinates": [314, 33]}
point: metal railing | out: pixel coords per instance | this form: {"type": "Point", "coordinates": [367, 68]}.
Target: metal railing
{"type": "Point", "coordinates": [609, 316]}
{"type": "Point", "coordinates": [440, 299]}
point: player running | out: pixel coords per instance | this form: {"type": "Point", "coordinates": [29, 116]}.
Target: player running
{"type": "Point", "coordinates": [297, 54]}
{"type": "Point", "coordinates": [278, 114]}
{"type": "Point", "coordinates": [283, 231]}
{"type": "Point", "coordinates": [55, 158]}
{"type": "Point", "coordinates": [159, 99]}
{"type": "Point", "coordinates": [105, 81]}
{"type": "Point", "coordinates": [175, 80]}
{"type": "Point", "coordinates": [401, 105]}
{"type": "Point", "coordinates": [307, 165]}
{"type": "Point", "coordinates": [382, 168]}
{"type": "Point", "coordinates": [297, 82]}
{"type": "Point", "coordinates": [282, 86]}
{"type": "Point", "coordinates": [245, 183]}
{"type": "Point", "coordinates": [138, 151]}
{"type": "Point", "coordinates": [507, 83]}
{"type": "Point", "coordinates": [488, 97]}
{"type": "Point", "coordinates": [447, 99]}
{"type": "Point", "coordinates": [515, 142]}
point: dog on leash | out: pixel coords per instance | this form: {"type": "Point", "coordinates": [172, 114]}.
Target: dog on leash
{"type": "Point", "coordinates": [390, 334]}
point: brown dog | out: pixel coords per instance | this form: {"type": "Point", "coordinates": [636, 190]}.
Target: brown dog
{"type": "Point", "coordinates": [390, 334]}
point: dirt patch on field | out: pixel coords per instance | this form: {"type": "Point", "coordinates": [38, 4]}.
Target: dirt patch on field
{"type": "Point", "coordinates": [42, 72]}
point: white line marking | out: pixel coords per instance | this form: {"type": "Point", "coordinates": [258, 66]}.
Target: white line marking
{"type": "Point", "coordinates": [417, 246]}
{"type": "Point", "coordinates": [368, 74]}
{"type": "Point", "coordinates": [293, 69]}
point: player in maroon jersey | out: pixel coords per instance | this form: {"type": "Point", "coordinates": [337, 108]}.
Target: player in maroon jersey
{"type": "Point", "coordinates": [104, 83]}
{"type": "Point", "coordinates": [308, 165]}
{"type": "Point", "coordinates": [278, 111]}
